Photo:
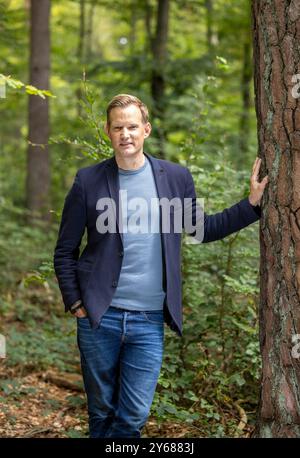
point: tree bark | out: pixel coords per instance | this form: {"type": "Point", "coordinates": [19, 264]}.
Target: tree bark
{"type": "Point", "coordinates": [276, 27]}
{"type": "Point", "coordinates": [38, 166]}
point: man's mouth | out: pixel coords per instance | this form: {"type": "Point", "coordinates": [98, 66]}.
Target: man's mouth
{"type": "Point", "coordinates": [125, 144]}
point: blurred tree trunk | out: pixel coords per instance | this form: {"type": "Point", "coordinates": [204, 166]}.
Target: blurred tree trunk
{"type": "Point", "coordinates": [276, 27]}
{"type": "Point", "coordinates": [80, 49]}
{"type": "Point", "coordinates": [38, 167]}
{"type": "Point", "coordinates": [159, 51]}
{"type": "Point", "coordinates": [148, 23]}
{"type": "Point", "coordinates": [80, 52]}
{"type": "Point", "coordinates": [132, 33]}
{"type": "Point", "coordinates": [209, 17]}
{"type": "Point", "coordinates": [89, 31]}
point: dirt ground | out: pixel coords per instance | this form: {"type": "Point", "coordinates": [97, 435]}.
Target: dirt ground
{"type": "Point", "coordinates": [34, 407]}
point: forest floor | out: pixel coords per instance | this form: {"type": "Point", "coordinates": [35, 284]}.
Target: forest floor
{"type": "Point", "coordinates": [41, 389]}
{"type": "Point", "coordinates": [34, 407]}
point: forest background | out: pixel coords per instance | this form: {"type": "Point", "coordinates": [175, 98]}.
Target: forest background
{"type": "Point", "coordinates": [191, 63]}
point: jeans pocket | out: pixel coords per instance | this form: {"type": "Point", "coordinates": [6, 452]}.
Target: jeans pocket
{"type": "Point", "coordinates": [156, 317]}
{"type": "Point", "coordinates": [83, 323]}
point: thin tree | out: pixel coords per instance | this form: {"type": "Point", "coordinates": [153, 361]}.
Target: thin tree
{"type": "Point", "coordinates": [208, 4]}
{"type": "Point", "coordinates": [38, 166]}
{"type": "Point", "coordinates": [246, 80]}
{"type": "Point", "coordinates": [81, 50]}
{"type": "Point", "coordinates": [276, 28]}
{"type": "Point", "coordinates": [159, 52]}
{"type": "Point", "coordinates": [89, 30]}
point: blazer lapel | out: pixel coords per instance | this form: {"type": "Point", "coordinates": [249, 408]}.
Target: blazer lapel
{"type": "Point", "coordinates": [160, 177]}
{"type": "Point", "coordinates": [114, 187]}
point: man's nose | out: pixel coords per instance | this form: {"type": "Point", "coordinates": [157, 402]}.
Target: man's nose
{"type": "Point", "coordinates": [124, 132]}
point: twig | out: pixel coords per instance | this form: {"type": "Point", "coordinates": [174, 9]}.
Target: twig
{"type": "Point", "coordinates": [35, 431]}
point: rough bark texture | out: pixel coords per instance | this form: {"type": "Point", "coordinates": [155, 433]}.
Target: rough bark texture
{"type": "Point", "coordinates": [276, 27]}
{"type": "Point", "coordinates": [38, 168]}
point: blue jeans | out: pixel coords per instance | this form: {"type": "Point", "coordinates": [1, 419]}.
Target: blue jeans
{"type": "Point", "coordinates": [120, 362]}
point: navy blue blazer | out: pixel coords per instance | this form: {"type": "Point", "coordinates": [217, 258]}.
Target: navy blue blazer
{"type": "Point", "coordinates": [93, 277]}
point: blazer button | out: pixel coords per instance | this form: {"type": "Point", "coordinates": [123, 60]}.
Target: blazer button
{"type": "Point", "coordinates": [114, 283]}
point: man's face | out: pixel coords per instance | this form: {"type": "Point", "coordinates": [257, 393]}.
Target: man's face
{"type": "Point", "coordinates": [127, 131]}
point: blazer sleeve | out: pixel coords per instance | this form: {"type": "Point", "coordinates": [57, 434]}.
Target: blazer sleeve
{"type": "Point", "coordinates": [66, 253]}
{"type": "Point", "coordinates": [220, 225]}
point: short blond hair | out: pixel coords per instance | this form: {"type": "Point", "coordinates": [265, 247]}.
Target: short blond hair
{"type": "Point", "coordinates": [123, 101]}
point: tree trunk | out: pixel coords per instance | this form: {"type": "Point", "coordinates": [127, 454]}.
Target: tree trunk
{"type": "Point", "coordinates": [159, 51]}
{"type": "Point", "coordinates": [148, 23]}
{"type": "Point", "coordinates": [81, 53]}
{"type": "Point", "coordinates": [133, 22]}
{"type": "Point", "coordinates": [276, 37]}
{"type": "Point", "coordinates": [209, 32]}
{"type": "Point", "coordinates": [38, 167]}
{"type": "Point", "coordinates": [89, 31]}
{"type": "Point", "coordinates": [80, 49]}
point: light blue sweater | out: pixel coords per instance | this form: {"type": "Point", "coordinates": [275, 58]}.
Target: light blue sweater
{"type": "Point", "coordinates": [140, 284]}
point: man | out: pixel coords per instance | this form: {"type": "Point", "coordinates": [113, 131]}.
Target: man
{"type": "Point", "coordinates": [127, 283]}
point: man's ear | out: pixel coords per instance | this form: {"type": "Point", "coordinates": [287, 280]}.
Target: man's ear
{"type": "Point", "coordinates": [148, 129]}
{"type": "Point", "coordinates": [106, 129]}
